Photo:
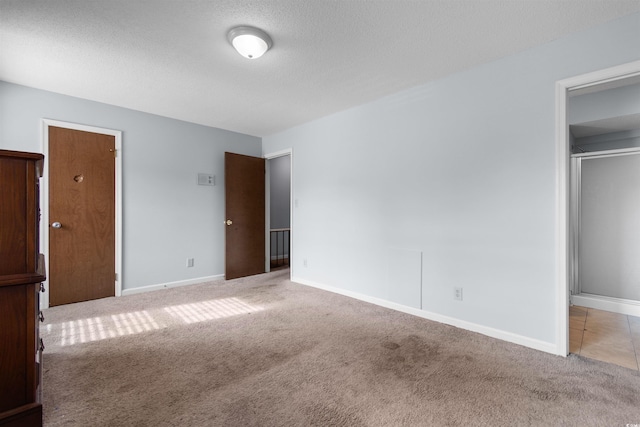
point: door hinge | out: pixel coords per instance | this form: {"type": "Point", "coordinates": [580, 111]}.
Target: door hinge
{"type": "Point", "coordinates": [114, 151]}
{"type": "Point", "coordinates": [116, 276]}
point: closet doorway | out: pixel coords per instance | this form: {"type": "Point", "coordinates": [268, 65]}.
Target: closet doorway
{"type": "Point", "coordinates": [603, 201]}
{"type": "Point", "coordinates": [606, 208]}
{"type": "Point", "coordinates": [605, 303]}
{"type": "Point", "coordinates": [619, 79]}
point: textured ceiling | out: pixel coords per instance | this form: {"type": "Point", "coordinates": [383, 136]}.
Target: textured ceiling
{"type": "Point", "coordinates": [172, 58]}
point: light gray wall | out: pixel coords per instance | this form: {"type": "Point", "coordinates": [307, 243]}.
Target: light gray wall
{"type": "Point", "coordinates": [460, 174]}
{"type": "Point", "coordinates": [167, 218]}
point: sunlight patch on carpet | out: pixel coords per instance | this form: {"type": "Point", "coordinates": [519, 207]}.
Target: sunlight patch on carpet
{"type": "Point", "coordinates": [100, 328]}
{"type": "Point", "coordinates": [135, 322]}
{"type": "Point", "coordinates": [210, 310]}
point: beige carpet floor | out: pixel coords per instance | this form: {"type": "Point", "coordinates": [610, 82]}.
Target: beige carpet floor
{"type": "Point", "coordinates": [263, 351]}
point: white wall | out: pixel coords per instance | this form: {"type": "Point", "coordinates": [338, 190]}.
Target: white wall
{"type": "Point", "coordinates": [458, 175]}
{"type": "Point", "coordinates": [167, 218]}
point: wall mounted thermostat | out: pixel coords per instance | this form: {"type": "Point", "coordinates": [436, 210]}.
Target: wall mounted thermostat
{"type": "Point", "coordinates": [206, 179]}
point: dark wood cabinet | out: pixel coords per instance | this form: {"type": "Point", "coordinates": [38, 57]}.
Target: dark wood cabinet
{"type": "Point", "coordinates": [21, 275]}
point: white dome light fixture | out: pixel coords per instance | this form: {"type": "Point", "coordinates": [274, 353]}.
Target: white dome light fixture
{"type": "Point", "coordinates": [250, 42]}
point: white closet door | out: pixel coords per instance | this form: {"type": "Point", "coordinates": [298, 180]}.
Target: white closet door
{"type": "Point", "coordinates": [609, 244]}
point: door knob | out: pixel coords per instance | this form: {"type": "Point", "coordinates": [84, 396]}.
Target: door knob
{"type": "Point", "coordinates": [228, 222]}
{"type": "Point", "coordinates": [56, 225]}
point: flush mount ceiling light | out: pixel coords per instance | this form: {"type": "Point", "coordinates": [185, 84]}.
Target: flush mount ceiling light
{"type": "Point", "coordinates": [250, 42]}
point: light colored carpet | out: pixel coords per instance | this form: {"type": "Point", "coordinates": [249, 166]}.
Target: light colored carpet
{"type": "Point", "coordinates": [263, 351]}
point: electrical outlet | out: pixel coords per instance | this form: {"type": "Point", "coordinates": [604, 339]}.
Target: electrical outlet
{"type": "Point", "coordinates": [304, 262]}
{"type": "Point", "coordinates": [190, 262]}
{"type": "Point", "coordinates": [457, 294]}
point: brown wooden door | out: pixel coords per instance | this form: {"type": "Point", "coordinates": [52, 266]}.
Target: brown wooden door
{"type": "Point", "coordinates": [245, 208]}
{"type": "Point", "coordinates": [82, 201]}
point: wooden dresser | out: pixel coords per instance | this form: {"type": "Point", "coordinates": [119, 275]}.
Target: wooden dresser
{"type": "Point", "coordinates": [21, 275]}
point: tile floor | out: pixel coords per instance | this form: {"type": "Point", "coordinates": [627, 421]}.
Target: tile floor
{"type": "Point", "coordinates": [606, 336]}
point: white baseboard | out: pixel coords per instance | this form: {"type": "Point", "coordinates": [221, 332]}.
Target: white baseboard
{"type": "Point", "coordinates": [157, 287]}
{"type": "Point", "coordinates": [617, 305]}
{"type": "Point", "coordinates": [462, 324]}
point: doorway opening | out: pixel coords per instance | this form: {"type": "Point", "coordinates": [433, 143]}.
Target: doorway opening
{"type": "Point", "coordinates": [79, 179]}
{"type": "Point", "coordinates": [567, 265]}
{"type": "Point", "coordinates": [279, 190]}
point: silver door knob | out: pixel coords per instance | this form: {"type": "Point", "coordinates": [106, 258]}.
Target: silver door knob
{"type": "Point", "coordinates": [56, 225]}
{"type": "Point", "coordinates": [228, 222]}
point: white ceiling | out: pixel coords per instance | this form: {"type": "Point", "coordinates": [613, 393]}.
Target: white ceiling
{"type": "Point", "coordinates": [172, 58]}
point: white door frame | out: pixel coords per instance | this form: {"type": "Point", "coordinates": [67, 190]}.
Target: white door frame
{"type": "Point", "coordinates": [563, 181]}
{"type": "Point", "coordinates": [267, 213]}
{"type": "Point", "coordinates": [44, 197]}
